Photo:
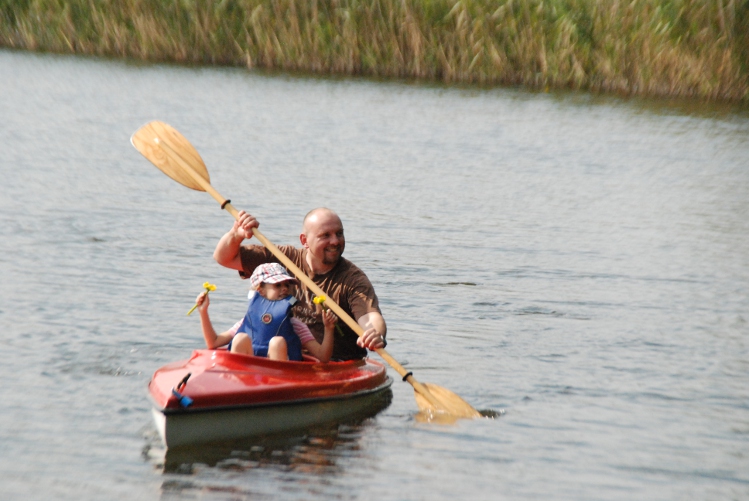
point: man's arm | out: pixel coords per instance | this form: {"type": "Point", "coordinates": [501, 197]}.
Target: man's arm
{"type": "Point", "coordinates": [374, 331]}
{"type": "Point", "coordinates": [227, 249]}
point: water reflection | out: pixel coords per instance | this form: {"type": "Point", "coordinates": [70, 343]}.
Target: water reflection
{"type": "Point", "coordinates": [313, 451]}
{"type": "Point", "coordinates": [432, 417]}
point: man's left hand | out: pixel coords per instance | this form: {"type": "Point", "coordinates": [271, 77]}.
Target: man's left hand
{"type": "Point", "coordinates": [372, 340]}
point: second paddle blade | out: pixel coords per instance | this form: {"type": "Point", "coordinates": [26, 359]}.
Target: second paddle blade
{"type": "Point", "coordinates": [450, 403]}
{"type": "Point", "coordinates": [168, 150]}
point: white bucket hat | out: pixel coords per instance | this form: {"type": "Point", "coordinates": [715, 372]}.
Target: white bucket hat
{"type": "Point", "coordinates": [270, 273]}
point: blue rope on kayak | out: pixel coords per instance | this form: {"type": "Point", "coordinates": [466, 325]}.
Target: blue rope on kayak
{"type": "Point", "coordinates": [183, 400]}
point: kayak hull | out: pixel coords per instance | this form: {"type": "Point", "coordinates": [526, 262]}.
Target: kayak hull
{"type": "Point", "coordinates": [219, 396]}
{"type": "Point", "coordinates": [178, 430]}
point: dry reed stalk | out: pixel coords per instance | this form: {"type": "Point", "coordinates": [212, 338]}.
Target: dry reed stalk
{"type": "Point", "coordinates": [677, 47]}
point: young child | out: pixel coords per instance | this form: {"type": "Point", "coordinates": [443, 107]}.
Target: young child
{"type": "Point", "coordinates": [268, 328]}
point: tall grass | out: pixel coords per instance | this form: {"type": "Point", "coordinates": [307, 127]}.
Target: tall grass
{"type": "Point", "coordinates": [694, 48]}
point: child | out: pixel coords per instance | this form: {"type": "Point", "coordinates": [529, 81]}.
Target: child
{"type": "Point", "coordinates": [268, 328]}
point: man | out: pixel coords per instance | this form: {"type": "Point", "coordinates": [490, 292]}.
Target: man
{"type": "Point", "coordinates": [320, 258]}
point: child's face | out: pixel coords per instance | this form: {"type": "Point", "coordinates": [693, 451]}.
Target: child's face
{"type": "Point", "coordinates": [274, 292]}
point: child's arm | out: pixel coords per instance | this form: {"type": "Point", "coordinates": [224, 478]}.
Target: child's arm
{"type": "Point", "coordinates": [323, 351]}
{"type": "Point", "coordinates": [212, 340]}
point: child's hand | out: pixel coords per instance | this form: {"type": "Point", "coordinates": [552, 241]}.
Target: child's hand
{"type": "Point", "coordinates": [202, 301]}
{"type": "Point", "coordinates": [329, 318]}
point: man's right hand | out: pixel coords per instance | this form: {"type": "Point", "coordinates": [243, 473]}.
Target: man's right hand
{"type": "Point", "coordinates": [227, 250]}
{"type": "Point", "coordinates": [244, 224]}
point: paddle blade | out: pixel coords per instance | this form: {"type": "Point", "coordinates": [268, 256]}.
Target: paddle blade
{"type": "Point", "coordinates": [168, 150]}
{"type": "Point", "coordinates": [450, 403]}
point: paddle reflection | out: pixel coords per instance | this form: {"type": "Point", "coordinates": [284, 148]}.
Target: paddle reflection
{"type": "Point", "coordinates": [436, 417]}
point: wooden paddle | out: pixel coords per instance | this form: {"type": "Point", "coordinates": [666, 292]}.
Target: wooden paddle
{"type": "Point", "coordinates": [168, 150]}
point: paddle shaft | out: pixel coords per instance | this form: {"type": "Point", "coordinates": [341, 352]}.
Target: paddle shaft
{"type": "Point", "coordinates": [226, 204]}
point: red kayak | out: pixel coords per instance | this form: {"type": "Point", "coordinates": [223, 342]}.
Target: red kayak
{"type": "Point", "coordinates": [216, 395]}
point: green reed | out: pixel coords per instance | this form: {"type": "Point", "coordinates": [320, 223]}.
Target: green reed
{"type": "Point", "coordinates": [667, 48]}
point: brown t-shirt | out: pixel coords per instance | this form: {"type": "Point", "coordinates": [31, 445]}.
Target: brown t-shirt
{"type": "Point", "coordinates": [345, 284]}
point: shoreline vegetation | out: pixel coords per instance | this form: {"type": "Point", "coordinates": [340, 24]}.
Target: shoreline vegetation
{"type": "Point", "coordinates": [680, 48]}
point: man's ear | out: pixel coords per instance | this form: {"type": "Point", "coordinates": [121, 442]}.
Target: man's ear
{"type": "Point", "coordinates": [303, 240]}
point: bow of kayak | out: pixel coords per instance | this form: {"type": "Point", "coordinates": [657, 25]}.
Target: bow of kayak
{"type": "Point", "coordinates": [216, 395]}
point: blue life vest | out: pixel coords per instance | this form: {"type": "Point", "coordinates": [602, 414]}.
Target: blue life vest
{"type": "Point", "coordinates": [265, 319]}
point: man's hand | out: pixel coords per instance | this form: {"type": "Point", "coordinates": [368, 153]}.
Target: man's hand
{"type": "Point", "coordinates": [244, 224]}
{"type": "Point", "coordinates": [227, 249]}
{"type": "Point", "coordinates": [374, 331]}
{"type": "Point", "coordinates": [371, 340]}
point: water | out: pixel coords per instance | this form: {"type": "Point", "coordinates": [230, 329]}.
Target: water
{"type": "Point", "coordinates": [578, 265]}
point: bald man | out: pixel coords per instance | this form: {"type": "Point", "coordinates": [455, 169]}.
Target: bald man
{"type": "Point", "coordinates": [321, 259]}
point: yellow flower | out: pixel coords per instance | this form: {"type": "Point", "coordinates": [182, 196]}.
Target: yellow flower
{"type": "Point", "coordinates": [321, 301]}
{"type": "Point", "coordinates": [208, 288]}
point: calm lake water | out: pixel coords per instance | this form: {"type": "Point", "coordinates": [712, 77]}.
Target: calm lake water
{"type": "Point", "coordinates": [578, 265]}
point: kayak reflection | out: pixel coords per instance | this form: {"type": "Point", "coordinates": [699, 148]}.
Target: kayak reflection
{"type": "Point", "coordinates": [313, 450]}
